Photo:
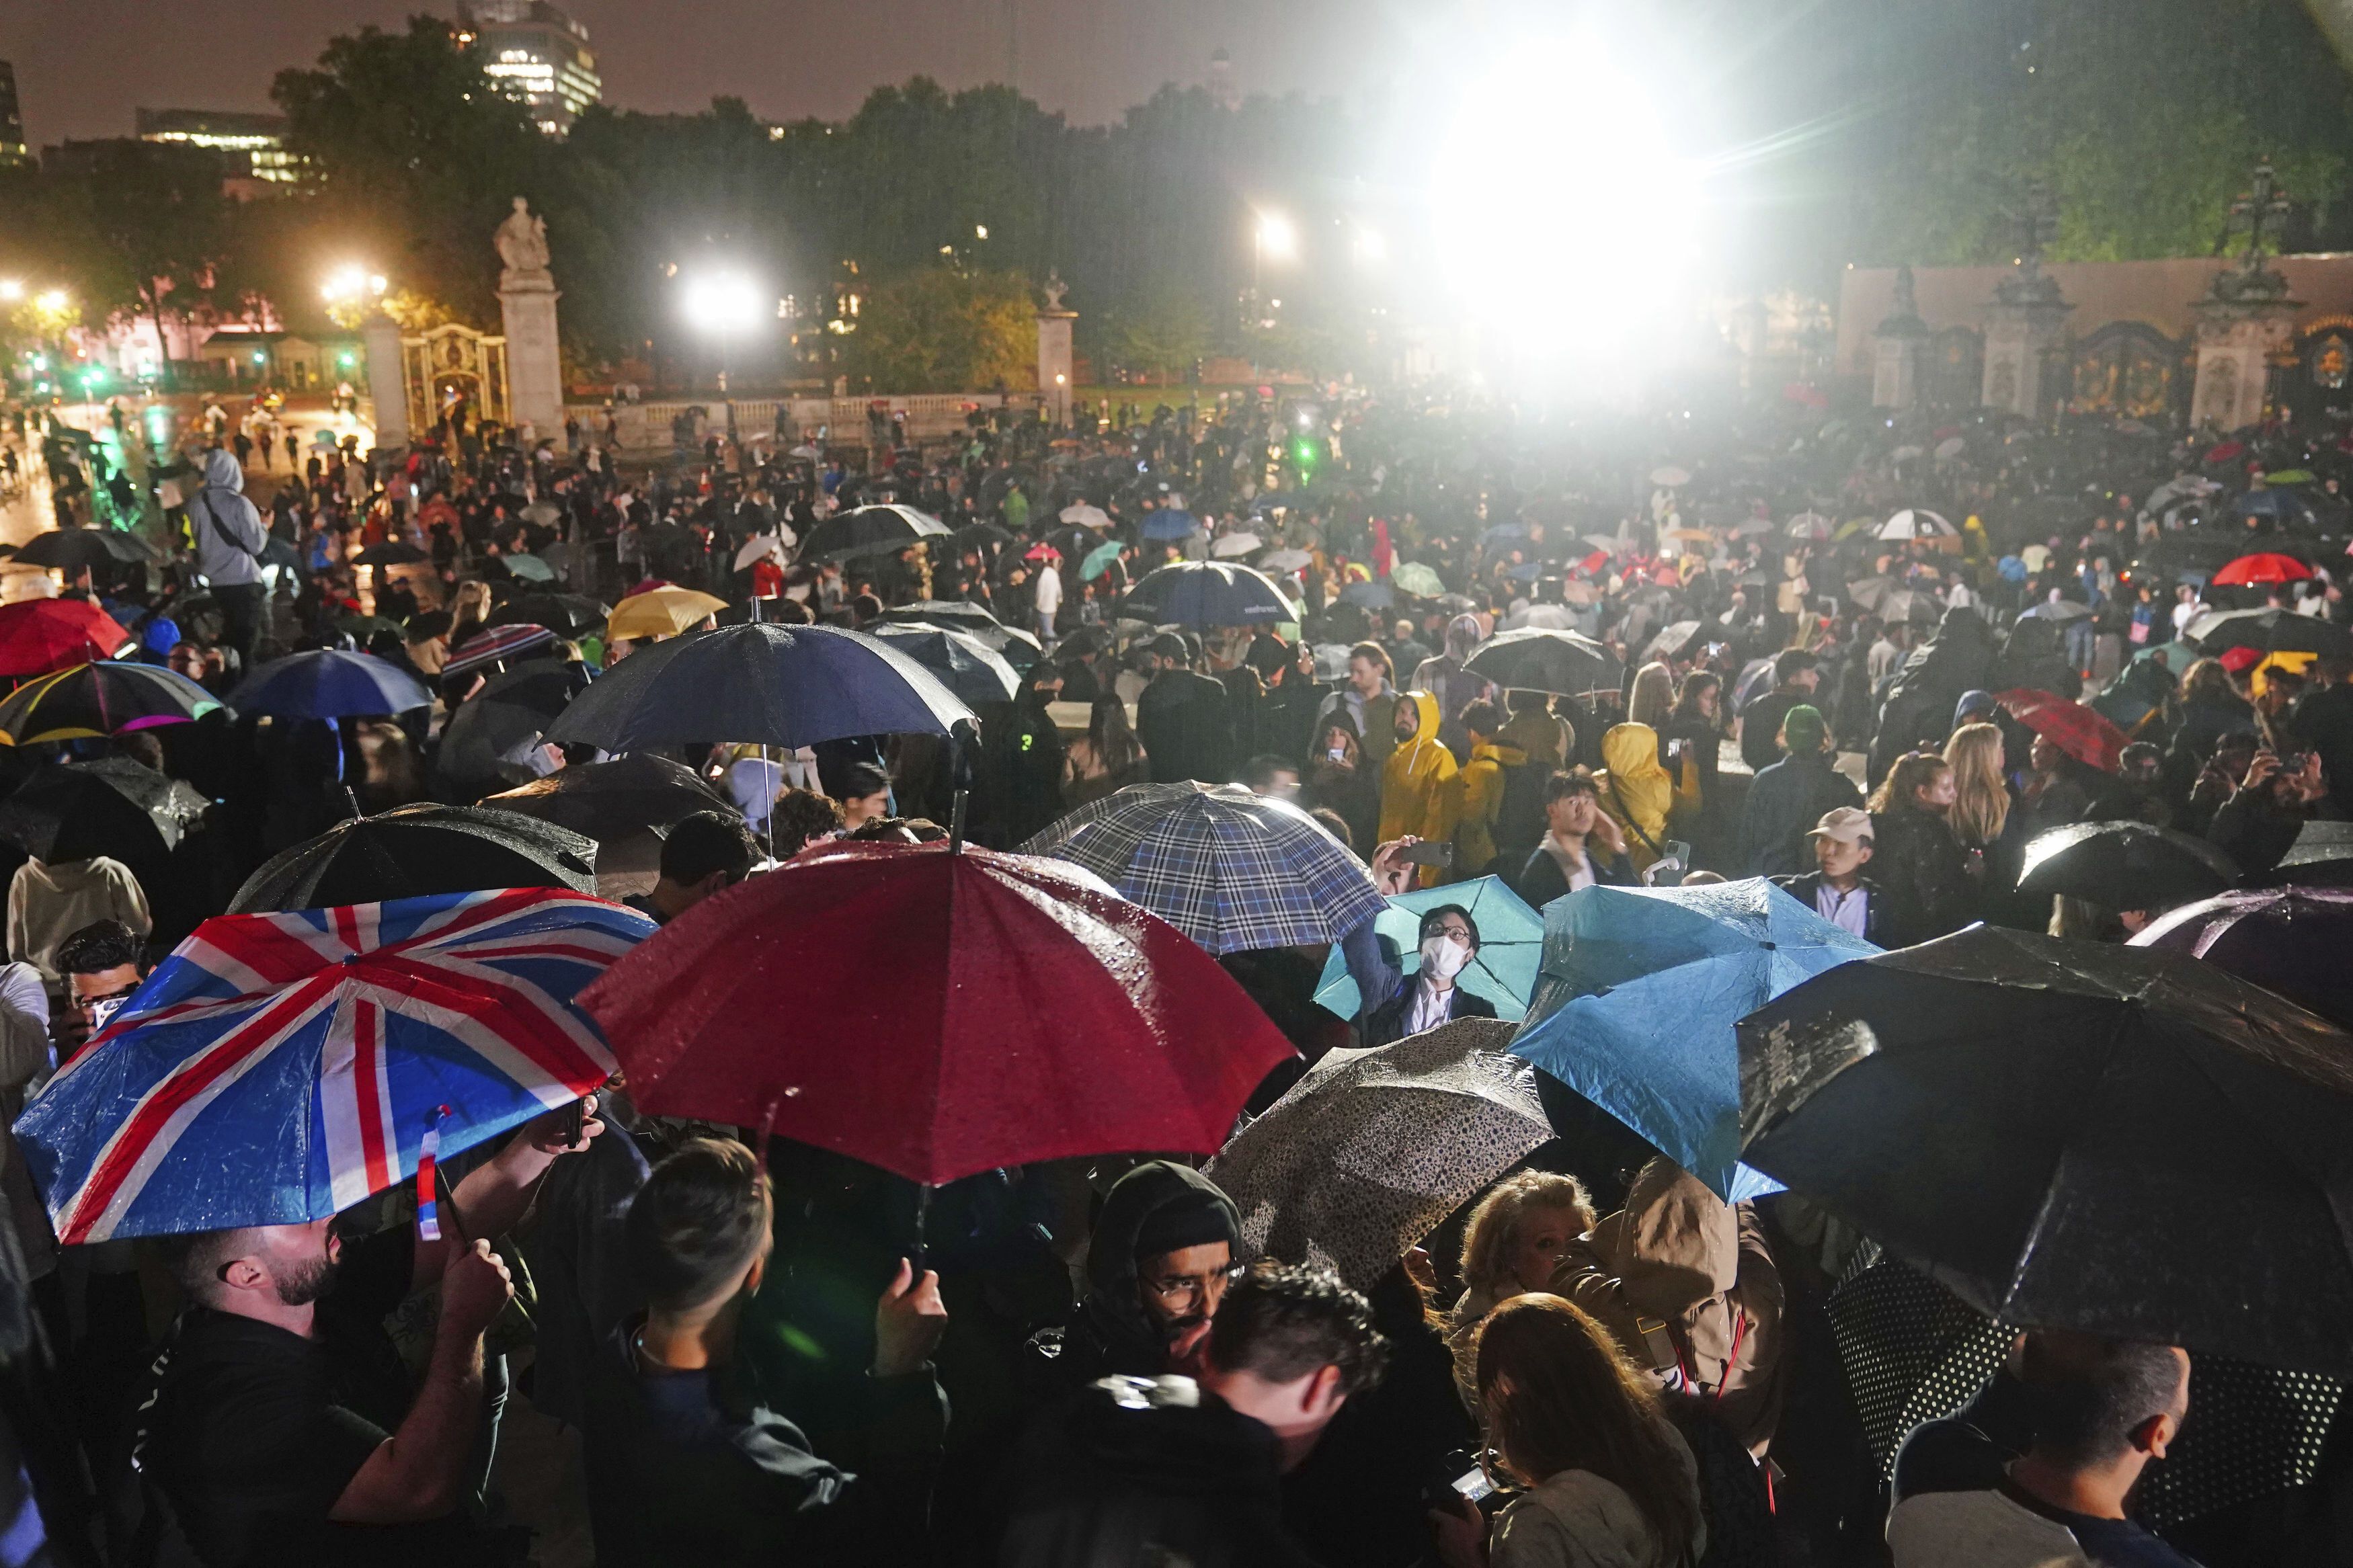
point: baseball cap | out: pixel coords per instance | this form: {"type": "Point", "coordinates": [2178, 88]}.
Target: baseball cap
{"type": "Point", "coordinates": [1848, 825]}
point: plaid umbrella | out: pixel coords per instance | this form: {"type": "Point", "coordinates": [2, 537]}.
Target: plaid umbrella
{"type": "Point", "coordinates": [2074, 729]}
{"type": "Point", "coordinates": [1231, 869]}
{"type": "Point", "coordinates": [1369, 1151]}
{"type": "Point", "coordinates": [281, 1067]}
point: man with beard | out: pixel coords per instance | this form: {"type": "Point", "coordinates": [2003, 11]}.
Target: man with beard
{"type": "Point", "coordinates": [1159, 1262]}
{"type": "Point", "coordinates": [283, 1426]}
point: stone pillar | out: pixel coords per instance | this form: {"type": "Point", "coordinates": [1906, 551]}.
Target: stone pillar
{"type": "Point", "coordinates": [387, 382]}
{"type": "Point", "coordinates": [2239, 329]}
{"type": "Point", "coordinates": [1054, 351]}
{"type": "Point", "coordinates": [534, 357]}
{"type": "Point", "coordinates": [2026, 317]}
{"type": "Point", "coordinates": [1898, 345]}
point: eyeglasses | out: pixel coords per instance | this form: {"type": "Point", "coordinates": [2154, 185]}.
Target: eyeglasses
{"type": "Point", "coordinates": [1179, 1285]}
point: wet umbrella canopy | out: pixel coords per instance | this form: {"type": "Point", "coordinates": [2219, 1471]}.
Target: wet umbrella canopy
{"type": "Point", "coordinates": [2124, 866]}
{"type": "Point", "coordinates": [417, 850]}
{"type": "Point", "coordinates": [2119, 1140]}
{"type": "Point", "coordinates": [1535, 659]}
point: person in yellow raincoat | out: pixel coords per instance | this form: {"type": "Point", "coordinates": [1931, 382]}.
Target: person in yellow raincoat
{"type": "Point", "coordinates": [1479, 789]}
{"type": "Point", "coordinates": [1636, 792]}
{"type": "Point", "coordinates": [1417, 793]}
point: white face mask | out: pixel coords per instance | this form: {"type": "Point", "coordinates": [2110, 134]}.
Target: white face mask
{"type": "Point", "coordinates": [1445, 954]}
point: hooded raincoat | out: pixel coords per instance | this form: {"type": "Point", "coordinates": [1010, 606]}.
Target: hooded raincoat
{"type": "Point", "coordinates": [1636, 791]}
{"type": "Point", "coordinates": [1417, 795]}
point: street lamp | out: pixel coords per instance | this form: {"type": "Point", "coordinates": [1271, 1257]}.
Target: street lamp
{"type": "Point", "coordinates": [53, 301]}
{"type": "Point", "coordinates": [725, 305]}
{"type": "Point", "coordinates": [11, 289]}
{"type": "Point", "coordinates": [353, 285]}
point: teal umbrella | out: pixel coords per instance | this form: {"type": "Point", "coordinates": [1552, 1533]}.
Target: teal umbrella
{"type": "Point", "coordinates": [1511, 941]}
{"type": "Point", "coordinates": [1099, 560]}
{"type": "Point", "coordinates": [1417, 580]}
{"type": "Point", "coordinates": [530, 568]}
{"type": "Point", "coordinates": [1641, 988]}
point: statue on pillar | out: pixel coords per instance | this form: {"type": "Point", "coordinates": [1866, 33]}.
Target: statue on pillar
{"type": "Point", "coordinates": [1054, 288]}
{"type": "Point", "coordinates": [521, 240]}
{"type": "Point", "coordinates": [2036, 223]}
{"type": "Point", "coordinates": [2261, 212]}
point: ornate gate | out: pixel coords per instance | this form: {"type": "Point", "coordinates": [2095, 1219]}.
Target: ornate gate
{"type": "Point", "coordinates": [2128, 368]}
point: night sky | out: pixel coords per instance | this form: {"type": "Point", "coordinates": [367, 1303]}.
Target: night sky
{"type": "Point", "coordinates": [81, 68]}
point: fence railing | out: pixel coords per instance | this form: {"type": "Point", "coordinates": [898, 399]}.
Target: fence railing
{"type": "Point", "coordinates": [843, 421]}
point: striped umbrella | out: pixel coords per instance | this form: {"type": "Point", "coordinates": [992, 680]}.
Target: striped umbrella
{"type": "Point", "coordinates": [495, 645]}
{"type": "Point", "coordinates": [1228, 868]}
{"type": "Point", "coordinates": [105, 697]}
{"type": "Point", "coordinates": [280, 1067]}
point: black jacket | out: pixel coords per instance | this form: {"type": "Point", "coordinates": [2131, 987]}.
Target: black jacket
{"type": "Point", "coordinates": [1136, 1471]}
{"type": "Point", "coordinates": [1784, 802]}
{"type": "Point", "coordinates": [1924, 869]}
{"type": "Point", "coordinates": [1540, 880]}
{"type": "Point", "coordinates": [1807, 888]}
{"type": "Point", "coordinates": [1386, 1023]}
{"type": "Point", "coordinates": [1188, 732]}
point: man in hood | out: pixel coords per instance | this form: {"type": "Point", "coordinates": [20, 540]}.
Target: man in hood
{"type": "Point", "coordinates": [229, 538]}
{"type": "Point", "coordinates": [1448, 677]}
{"type": "Point", "coordinates": [1416, 782]}
{"type": "Point", "coordinates": [1157, 1266]}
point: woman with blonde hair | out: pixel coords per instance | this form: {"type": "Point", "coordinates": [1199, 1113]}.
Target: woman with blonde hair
{"type": "Point", "coordinates": [1652, 700]}
{"type": "Point", "coordinates": [1609, 1479]}
{"type": "Point", "coordinates": [1514, 1237]}
{"type": "Point", "coordinates": [1981, 793]}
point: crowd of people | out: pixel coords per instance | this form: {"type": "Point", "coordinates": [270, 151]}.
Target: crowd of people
{"type": "Point", "coordinates": [1659, 655]}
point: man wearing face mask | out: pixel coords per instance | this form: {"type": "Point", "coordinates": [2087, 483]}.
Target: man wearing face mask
{"type": "Point", "coordinates": [1397, 1004]}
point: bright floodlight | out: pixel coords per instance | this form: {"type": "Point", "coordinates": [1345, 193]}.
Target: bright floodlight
{"type": "Point", "coordinates": [351, 283]}
{"type": "Point", "coordinates": [1276, 238]}
{"type": "Point", "coordinates": [723, 303]}
{"type": "Point", "coordinates": [1371, 248]}
{"type": "Point", "coordinates": [11, 288]}
{"type": "Point", "coordinates": [1566, 217]}
{"type": "Point", "coordinates": [53, 300]}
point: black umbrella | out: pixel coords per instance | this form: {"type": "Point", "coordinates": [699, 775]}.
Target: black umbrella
{"type": "Point", "coordinates": [966, 666]}
{"type": "Point", "coordinates": [2118, 1140]}
{"type": "Point", "coordinates": [173, 805]}
{"type": "Point", "coordinates": [1017, 648]}
{"type": "Point", "coordinates": [488, 739]}
{"type": "Point", "coordinates": [63, 814]}
{"type": "Point", "coordinates": [759, 682]}
{"type": "Point", "coordinates": [391, 553]}
{"type": "Point", "coordinates": [416, 850]}
{"type": "Point", "coordinates": [2124, 866]}
{"type": "Point", "coordinates": [609, 799]}
{"type": "Point", "coordinates": [2271, 630]}
{"type": "Point", "coordinates": [566, 615]}
{"type": "Point", "coordinates": [1536, 659]}
{"type": "Point", "coordinates": [2293, 941]}
{"type": "Point", "coordinates": [871, 530]}
{"type": "Point", "coordinates": [2321, 857]}
{"type": "Point", "coordinates": [71, 549]}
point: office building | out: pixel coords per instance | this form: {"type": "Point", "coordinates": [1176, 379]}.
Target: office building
{"type": "Point", "coordinates": [12, 121]}
{"type": "Point", "coordinates": [538, 53]}
{"type": "Point", "coordinates": [252, 145]}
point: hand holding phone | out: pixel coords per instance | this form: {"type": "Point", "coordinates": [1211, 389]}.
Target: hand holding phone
{"type": "Point", "coordinates": [1427, 854]}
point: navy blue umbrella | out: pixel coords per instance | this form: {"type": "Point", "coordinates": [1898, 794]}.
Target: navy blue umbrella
{"type": "Point", "coordinates": [329, 683]}
{"type": "Point", "coordinates": [1169, 523]}
{"type": "Point", "coordinates": [760, 683]}
{"type": "Point", "coordinates": [965, 665]}
{"type": "Point", "coordinates": [1209, 593]}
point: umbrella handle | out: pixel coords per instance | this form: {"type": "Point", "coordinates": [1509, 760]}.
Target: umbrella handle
{"type": "Point", "coordinates": [955, 817]}
{"type": "Point", "coordinates": [923, 1217]}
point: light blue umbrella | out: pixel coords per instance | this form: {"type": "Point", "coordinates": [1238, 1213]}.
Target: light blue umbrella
{"type": "Point", "coordinates": [1511, 940]}
{"type": "Point", "coordinates": [1638, 994]}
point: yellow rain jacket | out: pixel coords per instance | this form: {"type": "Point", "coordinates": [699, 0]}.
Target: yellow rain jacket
{"type": "Point", "coordinates": [1636, 791]}
{"type": "Point", "coordinates": [1478, 796]}
{"type": "Point", "coordinates": [1417, 793]}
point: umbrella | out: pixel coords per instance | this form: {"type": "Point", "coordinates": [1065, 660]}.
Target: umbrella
{"type": "Point", "coordinates": [1042, 553]}
{"type": "Point", "coordinates": [1167, 525]}
{"type": "Point", "coordinates": [1670, 478]}
{"type": "Point", "coordinates": [1233, 546]}
{"type": "Point", "coordinates": [2291, 476]}
{"type": "Point", "coordinates": [663, 612]}
{"type": "Point", "coordinates": [1286, 561]}
{"type": "Point", "coordinates": [496, 734]}
{"type": "Point", "coordinates": [1368, 596]}
{"type": "Point", "coordinates": [864, 531]}
{"type": "Point", "coordinates": [63, 814]}
{"type": "Point", "coordinates": [495, 645]}
{"type": "Point", "coordinates": [1640, 989]}
{"type": "Point", "coordinates": [366, 629]}
{"type": "Point", "coordinates": [1231, 869]}
{"type": "Point", "coordinates": [1689, 535]}
{"type": "Point", "coordinates": [966, 666]}
{"type": "Point", "coordinates": [1952, 446]}
{"type": "Point", "coordinates": [762, 683]}
{"type": "Point", "coordinates": [1209, 593]}
{"type": "Point", "coordinates": [2059, 611]}
{"type": "Point", "coordinates": [2272, 629]}
{"type": "Point", "coordinates": [1415, 578]}
{"type": "Point", "coordinates": [1672, 640]}
{"type": "Point", "coordinates": [759, 547]}
{"type": "Point", "coordinates": [2283, 504]}
{"type": "Point", "coordinates": [612, 800]}
{"type": "Point", "coordinates": [73, 549]}
{"type": "Point", "coordinates": [89, 701]}
{"type": "Point", "coordinates": [529, 568]}
{"type": "Point", "coordinates": [2122, 1140]}
{"type": "Point", "coordinates": [2124, 866]}
{"type": "Point", "coordinates": [1085, 516]}
{"type": "Point", "coordinates": [1019, 648]}
{"type": "Point", "coordinates": [1870, 591]}
{"type": "Point", "coordinates": [328, 683]}
{"type": "Point", "coordinates": [1030, 1014]}
{"type": "Point", "coordinates": [1810, 525]}
{"type": "Point", "coordinates": [173, 805]}
{"type": "Point", "coordinates": [1608, 542]}
{"type": "Point", "coordinates": [1536, 659]}
{"type": "Point", "coordinates": [2291, 940]}
{"type": "Point", "coordinates": [1364, 1156]}
{"type": "Point", "coordinates": [2321, 856]}
{"type": "Point", "coordinates": [417, 850]}
{"type": "Point", "coordinates": [282, 1068]}
{"type": "Point", "coordinates": [1915, 524]}
{"type": "Point", "coordinates": [1504, 970]}
{"type": "Point", "coordinates": [566, 615]}
{"type": "Point", "coordinates": [1904, 453]}
{"type": "Point", "coordinates": [1099, 559]}
{"type": "Point", "coordinates": [2074, 729]}
{"type": "Point", "coordinates": [2268, 567]}
{"type": "Point", "coordinates": [390, 553]}
{"type": "Point", "coordinates": [38, 635]}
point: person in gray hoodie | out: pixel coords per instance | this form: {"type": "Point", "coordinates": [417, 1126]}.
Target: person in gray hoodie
{"type": "Point", "coordinates": [229, 538]}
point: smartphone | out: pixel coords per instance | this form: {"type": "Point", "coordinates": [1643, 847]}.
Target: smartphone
{"type": "Point", "coordinates": [1338, 753]}
{"type": "Point", "coordinates": [1473, 1485]}
{"type": "Point", "coordinates": [1441, 855]}
{"type": "Point", "coordinates": [572, 1122]}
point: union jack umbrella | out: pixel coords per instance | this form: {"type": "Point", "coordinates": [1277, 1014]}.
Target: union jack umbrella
{"type": "Point", "coordinates": [280, 1067]}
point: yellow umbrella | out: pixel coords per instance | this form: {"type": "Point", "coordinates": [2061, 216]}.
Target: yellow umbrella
{"type": "Point", "coordinates": [660, 613]}
{"type": "Point", "coordinates": [1689, 535]}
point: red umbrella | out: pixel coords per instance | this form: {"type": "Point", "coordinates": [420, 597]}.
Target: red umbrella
{"type": "Point", "coordinates": [2225, 452]}
{"type": "Point", "coordinates": [937, 1012]}
{"type": "Point", "coordinates": [2248, 570]}
{"type": "Point", "coordinates": [2074, 729]}
{"type": "Point", "coordinates": [38, 635]}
